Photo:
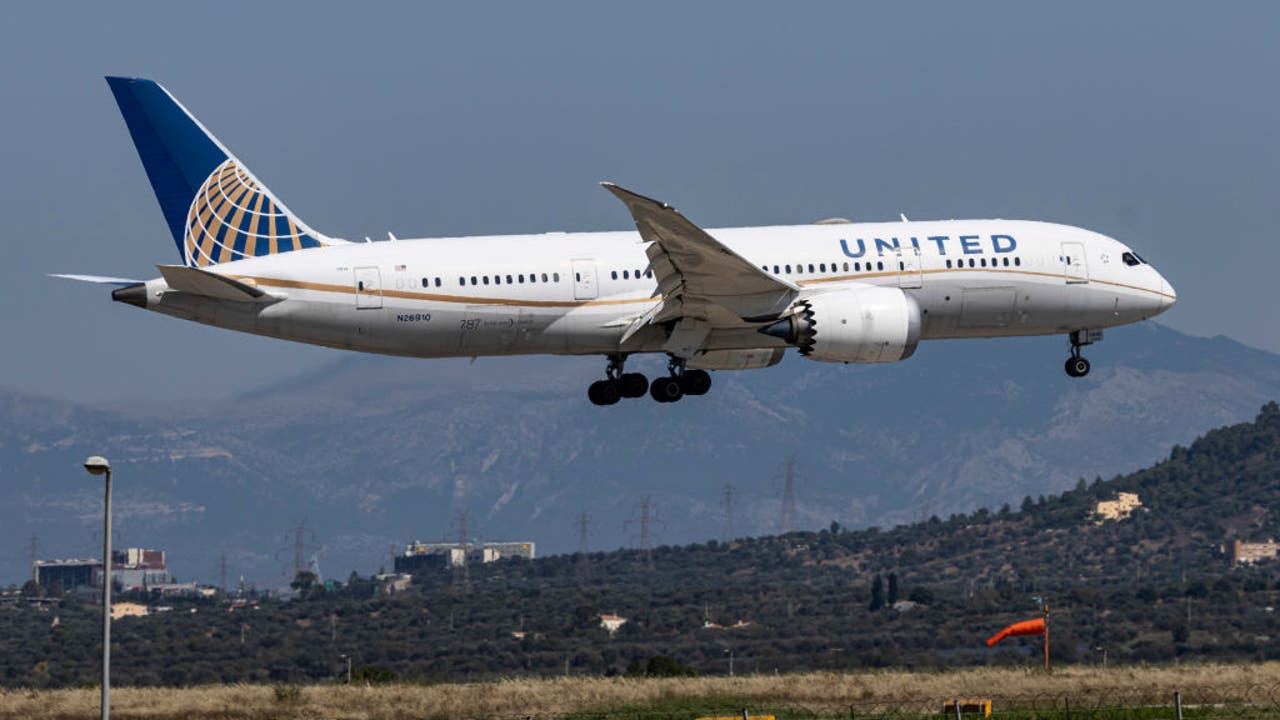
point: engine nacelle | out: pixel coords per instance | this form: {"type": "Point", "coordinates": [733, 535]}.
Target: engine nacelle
{"type": "Point", "coordinates": [864, 325]}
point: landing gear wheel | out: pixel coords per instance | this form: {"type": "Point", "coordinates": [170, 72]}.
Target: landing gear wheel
{"type": "Point", "coordinates": [695, 382]}
{"type": "Point", "coordinates": [1077, 366]}
{"type": "Point", "coordinates": [633, 385]}
{"type": "Point", "coordinates": [604, 392]}
{"type": "Point", "coordinates": [666, 389]}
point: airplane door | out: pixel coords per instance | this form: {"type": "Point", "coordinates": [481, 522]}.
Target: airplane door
{"type": "Point", "coordinates": [911, 275]}
{"type": "Point", "coordinates": [584, 280]}
{"type": "Point", "coordinates": [368, 288]}
{"type": "Point", "coordinates": [1075, 266]}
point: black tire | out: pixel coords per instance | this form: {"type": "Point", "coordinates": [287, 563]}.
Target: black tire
{"type": "Point", "coordinates": [1077, 367]}
{"type": "Point", "coordinates": [603, 392]}
{"type": "Point", "coordinates": [665, 389]}
{"type": "Point", "coordinates": [633, 385]}
{"type": "Point", "coordinates": [695, 382]}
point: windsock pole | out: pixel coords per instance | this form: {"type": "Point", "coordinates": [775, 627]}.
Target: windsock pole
{"type": "Point", "coordinates": [1046, 637]}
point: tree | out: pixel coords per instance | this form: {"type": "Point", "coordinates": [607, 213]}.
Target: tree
{"type": "Point", "coordinates": [893, 588]}
{"type": "Point", "coordinates": [660, 666]}
{"type": "Point", "coordinates": [304, 582]}
{"type": "Point", "coordinates": [920, 595]}
{"type": "Point", "coordinates": [877, 594]}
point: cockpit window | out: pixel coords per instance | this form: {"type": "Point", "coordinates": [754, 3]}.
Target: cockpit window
{"type": "Point", "coordinates": [1130, 259]}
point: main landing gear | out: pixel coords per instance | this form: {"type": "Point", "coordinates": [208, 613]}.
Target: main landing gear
{"type": "Point", "coordinates": [1077, 365]}
{"type": "Point", "coordinates": [618, 384]}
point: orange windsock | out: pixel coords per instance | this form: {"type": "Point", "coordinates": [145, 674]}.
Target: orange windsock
{"type": "Point", "coordinates": [1029, 627]}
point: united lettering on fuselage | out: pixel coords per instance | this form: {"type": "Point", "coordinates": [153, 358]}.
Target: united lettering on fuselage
{"type": "Point", "coordinates": [967, 244]}
{"type": "Point", "coordinates": [721, 299]}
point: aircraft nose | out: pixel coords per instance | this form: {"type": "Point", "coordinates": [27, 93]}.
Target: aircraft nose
{"type": "Point", "coordinates": [1168, 296]}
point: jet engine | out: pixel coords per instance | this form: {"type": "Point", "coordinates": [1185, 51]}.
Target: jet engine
{"type": "Point", "coordinates": [864, 325]}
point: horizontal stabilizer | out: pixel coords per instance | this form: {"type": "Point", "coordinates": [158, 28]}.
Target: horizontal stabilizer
{"type": "Point", "coordinates": [210, 284]}
{"type": "Point", "coordinates": [96, 279]}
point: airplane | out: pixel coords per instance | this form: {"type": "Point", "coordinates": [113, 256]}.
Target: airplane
{"type": "Point", "coordinates": [709, 299]}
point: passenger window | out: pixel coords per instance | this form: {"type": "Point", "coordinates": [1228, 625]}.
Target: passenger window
{"type": "Point", "coordinates": [775, 270]}
{"type": "Point", "coordinates": [508, 279]}
{"type": "Point", "coordinates": [788, 269]}
{"type": "Point", "coordinates": [497, 279]}
{"type": "Point", "coordinates": [880, 265]}
{"type": "Point", "coordinates": [948, 264]}
{"type": "Point", "coordinates": [520, 278]}
{"type": "Point", "coordinates": [822, 267]}
{"type": "Point", "coordinates": [462, 281]}
{"type": "Point", "coordinates": [614, 275]}
{"type": "Point", "coordinates": [544, 277]}
{"type": "Point", "coordinates": [1017, 261]}
{"type": "Point", "coordinates": [648, 273]}
{"type": "Point", "coordinates": [425, 283]}
{"type": "Point", "coordinates": [437, 282]}
{"type": "Point", "coordinates": [1006, 262]}
{"type": "Point", "coordinates": [637, 275]}
{"type": "Point", "coordinates": [901, 265]}
{"type": "Point", "coordinates": [554, 276]}
{"type": "Point", "coordinates": [983, 262]}
{"type": "Point", "coordinates": [360, 286]}
{"type": "Point", "coordinates": [810, 267]}
{"type": "Point", "coordinates": [846, 267]}
{"type": "Point", "coordinates": [485, 278]}
{"type": "Point", "coordinates": [626, 274]}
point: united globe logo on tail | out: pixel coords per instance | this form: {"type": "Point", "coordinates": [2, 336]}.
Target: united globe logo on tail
{"type": "Point", "coordinates": [231, 218]}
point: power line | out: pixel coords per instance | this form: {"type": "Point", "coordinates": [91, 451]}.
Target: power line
{"type": "Point", "coordinates": [300, 548]}
{"type": "Point", "coordinates": [583, 523]}
{"type": "Point", "coordinates": [461, 568]}
{"type": "Point", "coordinates": [728, 512]}
{"type": "Point", "coordinates": [789, 497]}
{"type": "Point", "coordinates": [645, 543]}
{"type": "Point", "coordinates": [646, 520]}
{"type": "Point", "coordinates": [34, 550]}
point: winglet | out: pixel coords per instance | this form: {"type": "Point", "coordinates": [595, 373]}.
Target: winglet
{"type": "Point", "coordinates": [629, 196]}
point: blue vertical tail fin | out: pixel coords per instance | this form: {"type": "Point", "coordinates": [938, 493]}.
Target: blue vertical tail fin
{"type": "Point", "coordinates": [215, 208]}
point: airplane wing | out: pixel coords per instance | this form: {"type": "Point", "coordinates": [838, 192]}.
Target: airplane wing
{"type": "Point", "coordinates": [704, 284]}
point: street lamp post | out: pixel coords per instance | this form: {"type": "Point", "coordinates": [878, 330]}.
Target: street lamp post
{"type": "Point", "coordinates": [98, 465]}
{"type": "Point", "coordinates": [348, 659]}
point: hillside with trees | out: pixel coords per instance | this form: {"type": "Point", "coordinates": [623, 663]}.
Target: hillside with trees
{"type": "Point", "coordinates": [1157, 586]}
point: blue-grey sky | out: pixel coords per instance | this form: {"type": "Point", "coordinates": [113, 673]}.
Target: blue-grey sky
{"type": "Point", "coordinates": [1153, 122]}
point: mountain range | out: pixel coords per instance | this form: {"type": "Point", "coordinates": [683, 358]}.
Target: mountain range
{"type": "Point", "coordinates": [371, 453]}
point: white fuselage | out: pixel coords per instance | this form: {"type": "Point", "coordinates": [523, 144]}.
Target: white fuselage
{"type": "Point", "coordinates": [473, 296]}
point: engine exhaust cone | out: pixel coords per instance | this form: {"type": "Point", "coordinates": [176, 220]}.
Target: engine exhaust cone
{"type": "Point", "coordinates": [783, 329]}
{"type": "Point", "coordinates": [135, 294]}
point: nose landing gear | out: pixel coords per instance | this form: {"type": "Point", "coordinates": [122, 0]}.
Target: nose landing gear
{"type": "Point", "coordinates": [1077, 365]}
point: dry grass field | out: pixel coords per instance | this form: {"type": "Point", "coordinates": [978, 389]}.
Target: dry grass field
{"type": "Point", "coordinates": [808, 695]}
